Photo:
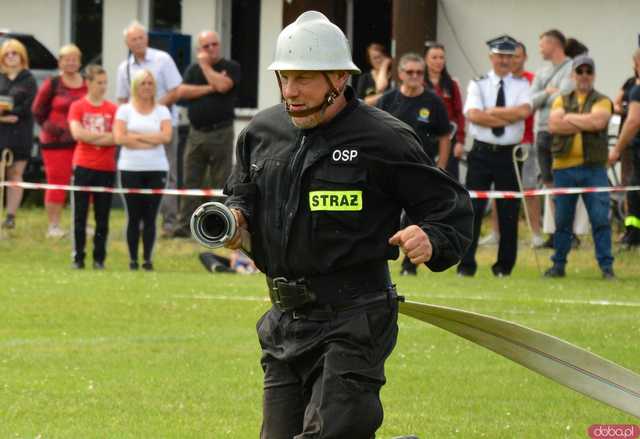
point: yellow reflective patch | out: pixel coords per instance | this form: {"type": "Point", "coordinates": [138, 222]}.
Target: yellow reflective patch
{"type": "Point", "coordinates": [335, 200]}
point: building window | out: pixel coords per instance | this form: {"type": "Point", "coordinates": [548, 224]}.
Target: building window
{"type": "Point", "coordinates": [245, 47]}
{"type": "Point", "coordinates": [164, 32]}
{"type": "Point", "coordinates": [166, 15]}
{"type": "Point", "coordinates": [86, 29]}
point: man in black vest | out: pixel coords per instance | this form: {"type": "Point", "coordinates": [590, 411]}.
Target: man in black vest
{"type": "Point", "coordinates": [578, 122]}
{"type": "Point", "coordinates": [210, 87]}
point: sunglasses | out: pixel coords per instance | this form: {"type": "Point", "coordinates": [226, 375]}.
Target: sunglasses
{"type": "Point", "coordinates": [207, 46]}
{"type": "Point", "coordinates": [585, 71]}
{"type": "Point", "coordinates": [433, 45]}
{"type": "Point", "coordinates": [414, 72]}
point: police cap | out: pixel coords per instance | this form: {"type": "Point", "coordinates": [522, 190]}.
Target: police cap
{"type": "Point", "coordinates": [504, 44]}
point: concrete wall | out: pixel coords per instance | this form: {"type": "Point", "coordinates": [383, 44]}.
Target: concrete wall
{"type": "Point", "coordinates": [270, 27]}
{"type": "Point", "coordinates": [29, 17]}
{"type": "Point", "coordinates": [608, 28]}
{"type": "Point", "coordinates": [199, 15]}
{"type": "Point", "coordinates": [116, 16]}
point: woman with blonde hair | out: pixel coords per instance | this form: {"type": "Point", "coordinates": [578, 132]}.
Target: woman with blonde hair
{"type": "Point", "coordinates": [51, 109]}
{"type": "Point", "coordinates": [17, 90]}
{"type": "Point", "coordinates": [142, 127]}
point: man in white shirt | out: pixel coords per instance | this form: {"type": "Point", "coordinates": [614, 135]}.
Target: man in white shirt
{"type": "Point", "coordinates": [496, 107]}
{"type": "Point", "coordinates": [168, 78]}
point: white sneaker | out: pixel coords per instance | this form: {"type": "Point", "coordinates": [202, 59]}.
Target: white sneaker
{"type": "Point", "coordinates": [537, 241]}
{"type": "Point", "coordinates": [490, 239]}
{"type": "Point", "coordinates": [56, 232]}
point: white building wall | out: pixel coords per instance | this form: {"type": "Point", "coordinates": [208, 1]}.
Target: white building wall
{"type": "Point", "coordinates": [116, 16]}
{"type": "Point", "coordinates": [270, 27]}
{"type": "Point", "coordinates": [44, 19]}
{"type": "Point", "coordinates": [199, 15]}
{"type": "Point", "coordinates": [609, 28]}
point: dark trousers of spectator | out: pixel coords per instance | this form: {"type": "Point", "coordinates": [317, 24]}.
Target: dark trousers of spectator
{"type": "Point", "coordinates": [142, 210]}
{"type": "Point", "coordinates": [207, 153]}
{"type": "Point", "coordinates": [632, 221]}
{"type": "Point", "coordinates": [101, 208]}
{"type": "Point", "coordinates": [545, 159]}
{"type": "Point", "coordinates": [453, 166]}
{"type": "Point", "coordinates": [597, 207]}
{"type": "Point", "coordinates": [487, 166]}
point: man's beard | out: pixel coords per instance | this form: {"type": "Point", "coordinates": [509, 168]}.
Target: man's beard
{"type": "Point", "coordinates": [308, 122]}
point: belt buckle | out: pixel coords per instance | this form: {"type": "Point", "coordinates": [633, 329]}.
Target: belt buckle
{"type": "Point", "coordinates": [275, 293]}
{"type": "Point", "coordinates": [278, 280]}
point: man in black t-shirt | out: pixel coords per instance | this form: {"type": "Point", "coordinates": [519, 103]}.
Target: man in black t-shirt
{"type": "Point", "coordinates": [419, 108]}
{"type": "Point", "coordinates": [423, 111]}
{"type": "Point", "coordinates": [630, 134]}
{"type": "Point", "coordinates": [210, 87]}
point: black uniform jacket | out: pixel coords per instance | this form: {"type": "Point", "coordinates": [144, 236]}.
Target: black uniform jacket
{"type": "Point", "coordinates": [323, 200]}
{"type": "Point", "coordinates": [22, 90]}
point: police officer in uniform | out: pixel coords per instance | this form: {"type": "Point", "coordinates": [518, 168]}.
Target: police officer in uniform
{"type": "Point", "coordinates": [496, 107]}
{"type": "Point", "coordinates": [319, 184]}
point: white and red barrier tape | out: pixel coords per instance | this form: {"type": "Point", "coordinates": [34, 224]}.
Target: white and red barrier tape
{"type": "Point", "coordinates": [551, 191]}
{"type": "Point", "coordinates": [218, 192]}
{"type": "Point", "coordinates": [116, 190]}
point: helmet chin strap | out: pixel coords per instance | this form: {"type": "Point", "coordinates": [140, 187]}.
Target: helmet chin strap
{"type": "Point", "coordinates": [328, 99]}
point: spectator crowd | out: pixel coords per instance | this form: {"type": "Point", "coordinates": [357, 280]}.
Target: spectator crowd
{"type": "Point", "coordinates": [523, 130]}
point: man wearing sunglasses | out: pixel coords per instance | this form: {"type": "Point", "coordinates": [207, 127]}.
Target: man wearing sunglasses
{"type": "Point", "coordinates": [422, 110]}
{"type": "Point", "coordinates": [419, 108]}
{"type": "Point", "coordinates": [210, 88]}
{"type": "Point", "coordinates": [578, 122]}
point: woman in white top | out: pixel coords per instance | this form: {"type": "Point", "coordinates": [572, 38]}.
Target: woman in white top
{"type": "Point", "coordinates": [142, 127]}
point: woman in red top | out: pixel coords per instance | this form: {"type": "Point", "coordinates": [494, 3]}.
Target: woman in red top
{"type": "Point", "coordinates": [91, 121]}
{"type": "Point", "coordinates": [51, 108]}
{"type": "Point", "coordinates": [437, 78]}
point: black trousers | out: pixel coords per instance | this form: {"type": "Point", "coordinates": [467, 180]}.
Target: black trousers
{"type": "Point", "coordinates": [101, 209]}
{"type": "Point", "coordinates": [487, 167]}
{"type": "Point", "coordinates": [142, 209]}
{"type": "Point", "coordinates": [633, 198]}
{"type": "Point", "coordinates": [323, 374]}
{"type": "Point", "coordinates": [207, 154]}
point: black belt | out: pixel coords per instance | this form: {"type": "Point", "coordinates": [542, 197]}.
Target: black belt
{"type": "Point", "coordinates": [215, 126]}
{"type": "Point", "coordinates": [493, 147]}
{"type": "Point", "coordinates": [339, 290]}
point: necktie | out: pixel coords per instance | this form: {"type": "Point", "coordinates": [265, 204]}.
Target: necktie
{"type": "Point", "coordinates": [499, 131]}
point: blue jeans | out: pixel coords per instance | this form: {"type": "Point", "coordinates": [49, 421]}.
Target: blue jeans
{"type": "Point", "coordinates": [597, 207]}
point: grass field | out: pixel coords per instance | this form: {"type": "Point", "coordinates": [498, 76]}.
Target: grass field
{"type": "Point", "coordinates": [173, 353]}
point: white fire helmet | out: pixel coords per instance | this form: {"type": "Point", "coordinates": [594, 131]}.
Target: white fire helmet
{"type": "Point", "coordinates": [312, 42]}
